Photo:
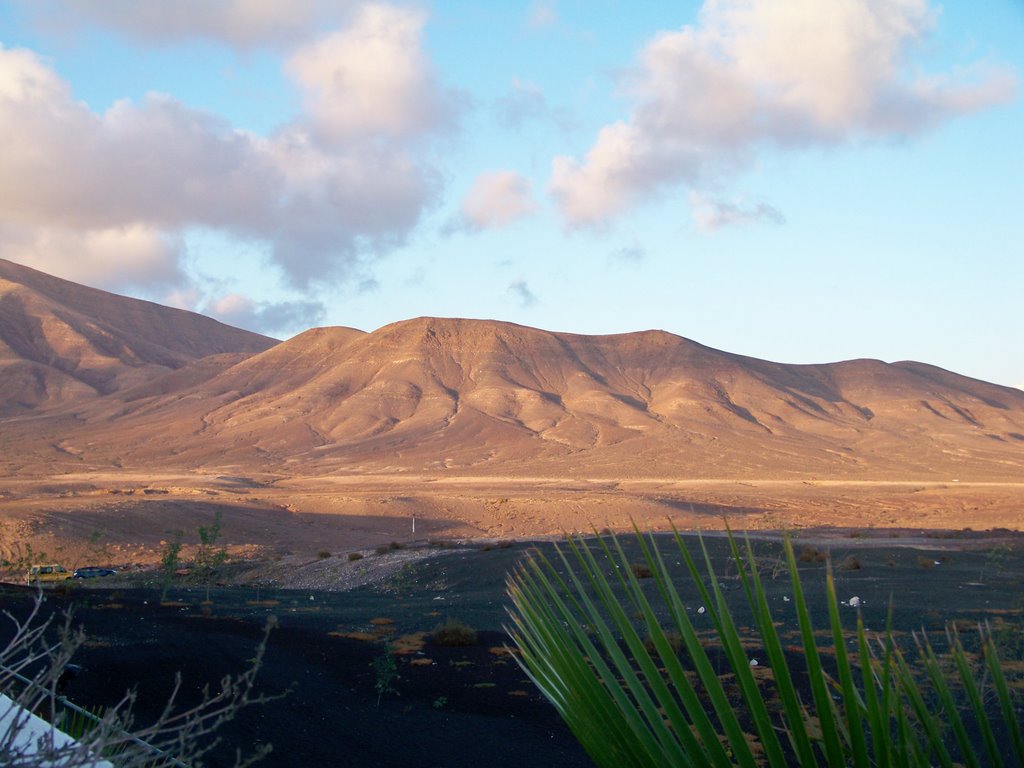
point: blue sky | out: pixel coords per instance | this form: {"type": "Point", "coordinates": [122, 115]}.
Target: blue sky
{"type": "Point", "coordinates": [797, 180]}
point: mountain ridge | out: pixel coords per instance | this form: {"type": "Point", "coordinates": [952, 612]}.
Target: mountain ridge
{"type": "Point", "coordinates": [444, 395]}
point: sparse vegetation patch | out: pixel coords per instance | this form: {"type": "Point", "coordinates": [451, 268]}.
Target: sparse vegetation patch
{"type": "Point", "coordinates": [454, 633]}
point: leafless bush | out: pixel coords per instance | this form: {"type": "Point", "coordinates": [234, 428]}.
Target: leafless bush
{"type": "Point", "coordinates": [31, 666]}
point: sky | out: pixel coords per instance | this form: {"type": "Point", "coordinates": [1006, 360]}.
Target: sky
{"type": "Point", "coordinates": [803, 181]}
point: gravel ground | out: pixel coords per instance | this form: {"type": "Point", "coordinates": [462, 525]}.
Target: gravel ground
{"type": "Point", "coordinates": [331, 574]}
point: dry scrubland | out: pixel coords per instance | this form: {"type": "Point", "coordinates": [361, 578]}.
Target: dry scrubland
{"type": "Point", "coordinates": [117, 519]}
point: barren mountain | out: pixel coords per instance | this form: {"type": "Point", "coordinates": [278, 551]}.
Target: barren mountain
{"type": "Point", "coordinates": [482, 397]}
{"type": "Point", "coordinates": [62, 343]}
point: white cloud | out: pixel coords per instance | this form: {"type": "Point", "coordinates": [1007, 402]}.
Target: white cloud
{"type": "Point", "coordinates": [240, 23]}
{"type": "Point", "coordinates": [496, 200]}
{"type": "Point", "coordinates": [323, 206]}
{"type": "Point", "coordinates": [336, 207]}
{"type": "Point", "coordinates": [115, 259]}
{"type": "Point", "coordinates": [711, 215]}
{"type": "Point", "coordinates": [279, 319]}
{"type": "Point", "coordinates": [372, 78]}
{"type": "Point", "coordinates": [622, 167]}
{"type": "Point", "coordinates": [187, 297]}
{"type": "Point", "coordinates": [755, 73]}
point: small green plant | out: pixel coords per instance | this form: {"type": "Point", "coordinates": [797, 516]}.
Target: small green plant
{"type": "Point", "coordinates": [453, 633]}
{"type": "Point", "coordinates": [995, 559]}
{"type": "Point", "coordinates": [169, 561]}
{"type": "Point", "coordinates": [323, 554]}
{"type": "Point", "coordinates": [353, 556]}
{"type": "Point", "coordinates": [209, 556]}
{"type": "Point", "coordinates": [385, 672]}
{"type": "Point", "coordinates": [440, 702]}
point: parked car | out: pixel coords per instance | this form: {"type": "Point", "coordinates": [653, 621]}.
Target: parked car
{"type": "Point", "coordinates": [92, 572]}
{"type": "Point", "coordinates": [39, 574]}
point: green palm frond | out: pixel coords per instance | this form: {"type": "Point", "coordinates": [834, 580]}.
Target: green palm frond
{"type": "Point", "coordinates": [639, 685]}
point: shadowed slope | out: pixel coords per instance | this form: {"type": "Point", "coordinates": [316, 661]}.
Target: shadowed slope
{"type": "Point", "coordinates": [62, 343]}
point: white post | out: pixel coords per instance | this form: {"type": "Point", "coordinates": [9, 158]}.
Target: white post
{"type": "Point", "coordinates": [414, 524]}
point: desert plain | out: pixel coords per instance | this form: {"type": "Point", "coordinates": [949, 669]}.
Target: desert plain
{"type": "Point", "coordinates": [129, 519]}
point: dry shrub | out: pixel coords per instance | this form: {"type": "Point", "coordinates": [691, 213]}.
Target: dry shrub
{"type": "Point", "coordinates": [811, 554]}
{"type": "Point", "coordinates": [850, 563]}
{"type": "Point", "coordinates": [641, 570]}
{"type": "Point", "coordinates": [454, 633]}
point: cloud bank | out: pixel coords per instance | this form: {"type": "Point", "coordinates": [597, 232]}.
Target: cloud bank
{"type": "Point", "coordinates": [107, 197]}
{"type": "Point", "coordinates": [757, 73]}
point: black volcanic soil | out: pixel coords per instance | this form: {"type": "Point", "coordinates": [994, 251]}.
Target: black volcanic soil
{"type": "Point", "coordinates": [465, 706]}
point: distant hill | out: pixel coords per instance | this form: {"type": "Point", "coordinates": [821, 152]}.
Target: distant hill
{"type": "Point", "coordinates": [141, 385]}
{"type": "Point", "coordinates": [63, 343]}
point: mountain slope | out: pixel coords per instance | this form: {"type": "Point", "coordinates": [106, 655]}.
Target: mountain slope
{"type": "Point", "coordinates": [484, 397]}
{"type": "Point", "coordinates": [63, 343]}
